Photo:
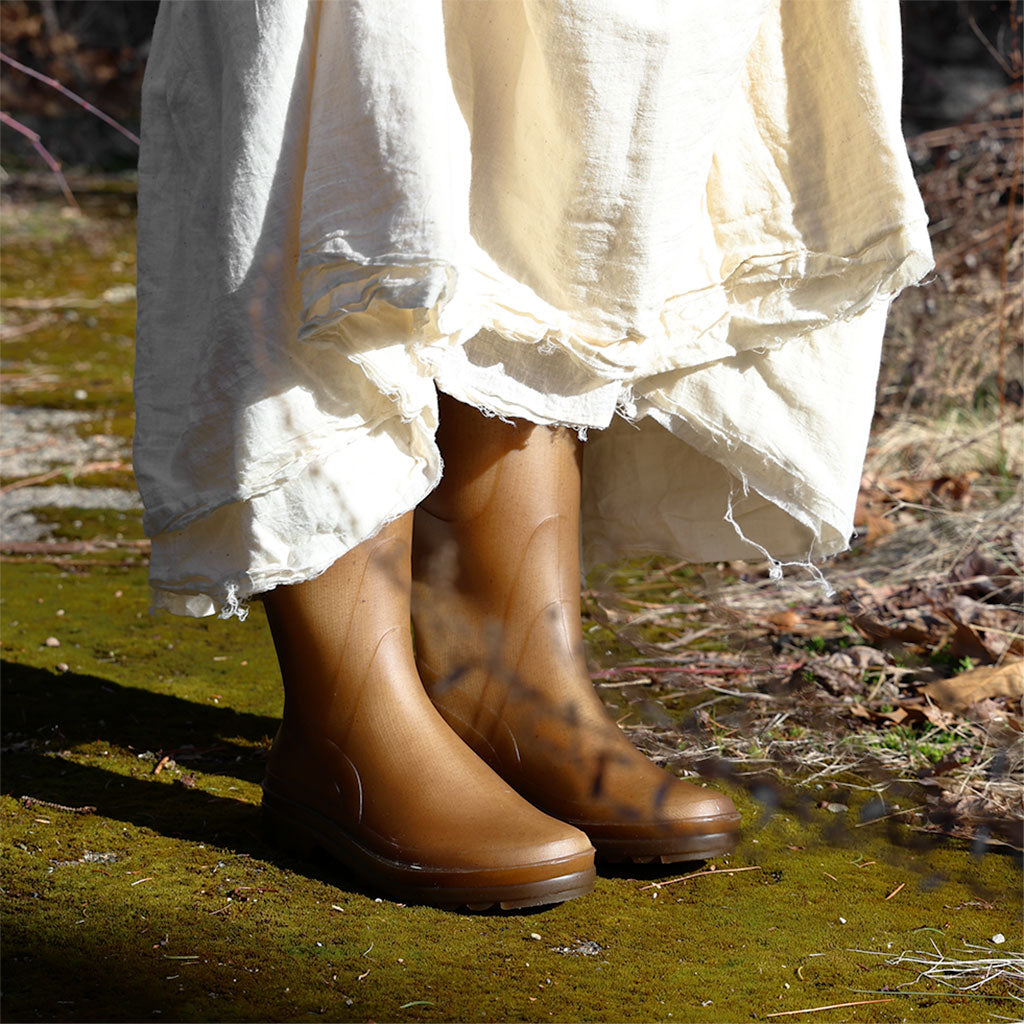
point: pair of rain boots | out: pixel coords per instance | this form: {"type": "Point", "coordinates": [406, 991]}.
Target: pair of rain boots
{"type": "Point", "coordinates": [481, 768]}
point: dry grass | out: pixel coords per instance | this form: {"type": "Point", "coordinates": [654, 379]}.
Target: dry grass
{"type": "Point", "coordinates": [955, 343]}
{"type": "Point", "coordinates": [786, 690]}
{"type": "Point", "coordinates": [968, 972]}
{"type": "Point", "coordinates": [780, 687]}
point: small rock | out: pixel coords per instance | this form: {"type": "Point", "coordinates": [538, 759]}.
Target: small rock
{"type": "Point", "coordinates": [62, 666]}
{"type": "Point", "coordinates": [999, 938]}
{"type": "Point", "coordinates": [535, 936]}
{"type": "Point", "coordinates": [51, 641]}
{"type": "Point", "coordinates": [98, 858]}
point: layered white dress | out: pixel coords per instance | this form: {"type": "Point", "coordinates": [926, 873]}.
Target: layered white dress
{"type": "Point", "coordinates": [674, 226]}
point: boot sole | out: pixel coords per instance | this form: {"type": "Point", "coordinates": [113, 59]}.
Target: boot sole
{"type": "Point", "coordinates": [665, 850]}
{"type": "Point", "coordinates": [304, 831]}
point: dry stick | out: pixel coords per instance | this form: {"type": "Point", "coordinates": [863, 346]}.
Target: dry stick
{"type": "Point", "coordinates": [9, 333]}
{"type": "Point", "coordinates": [993, 52]}
{"type": "Point", "coordinates": [896, 890]}
{"type": "Point", "coordinates": [34, 801]}
{"type": "Point", "coordinates": [89, 467]}
{"type": "Point", "coordinates": [54, 84]}
{"type": "Point", "coordinates": [698, 670]}
{"type": "Point", "coordinates": [47, 156]}
{"type": "Point", "coordinates": [950, 136]}
{"type": "Point", "coordinates": [831, 1006]}
{"type": "Point", "coordinates": [750, 694]}
{"type": "Point", "coordinates": [695, 874]}
{"type": "Point", "coordinates": [894, 814]}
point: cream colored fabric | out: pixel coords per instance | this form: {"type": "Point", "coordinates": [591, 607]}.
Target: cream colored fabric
{"type": "Point", "coordinates": [677, 226]}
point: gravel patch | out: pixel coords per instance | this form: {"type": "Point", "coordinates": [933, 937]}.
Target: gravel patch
{"type": "Point", "coordinates": [38, 440]}
{"type": "Point", "coordinates": [18, 524]}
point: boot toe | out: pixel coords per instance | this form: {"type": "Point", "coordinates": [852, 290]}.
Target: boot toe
{"type": "Point", "coordinates": [679, 822]}
{"type": "Point", "coordinates": [694, 809]}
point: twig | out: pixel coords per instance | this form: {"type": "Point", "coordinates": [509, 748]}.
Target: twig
{"type": "Point", "coordinates": [695, 874]}
{"type": "Point", "coordinates": [896, 890]}
{"type": "Point", "coordinates": [751, 694]}
{"type": "Point", "coordinates": [699, 670]}
{"type": "Point", "coordinates": [12, 331]}
{"type": "Point", "coordinates": [993, 52]}
{"type": "Point", "coordinates": [34, 801]}
{"type": "Point", "coordinates": [54, 84]}
{"type": "Point", "coordinates": [89, 467]}
{"type": "Point", "coordinates": [114, 294]}
{"type": "Point", "coordinates": [831, 1006]}
{"type": "Point", "coordinates": [46, 155]}
{"type": "Point", "coordinates": [884, 817]}
{"type": "Point", "coordinates": [943, 995]}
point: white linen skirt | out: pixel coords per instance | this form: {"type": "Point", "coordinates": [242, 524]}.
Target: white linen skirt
{"type": "Point", "coordinates": [675, 226]}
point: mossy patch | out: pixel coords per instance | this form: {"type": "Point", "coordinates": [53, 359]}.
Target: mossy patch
{"type": "Point", "coordinates": [91, 523]}
{"type": "Point", "coordinates": [69, 354]}
{"type": "Point", "coordinates": [167, 903]}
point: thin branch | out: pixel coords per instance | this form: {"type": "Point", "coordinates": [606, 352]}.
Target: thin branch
{"type": "Point", "coordinates": [47, 156]}
{"type": "Point", "coordinates": [831, 1006]}
{"type": "Point", "coordinates": [84, 103]}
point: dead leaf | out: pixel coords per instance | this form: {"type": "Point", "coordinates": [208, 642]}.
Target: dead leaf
{"type": "Point", "coordinates": [945, 766]}
{"type": "Point", "coordinates": [872, 629]}
{"type": "Point", "coordinates": [877, 528]}
{"type": "Point", "coordinates": [960, 692]}
{"type": "Point", "coordinates": [863, 657]}
{"type": "Point", "coordinates": [787, 619]}
{"type": "Point", "coordinates": [895, 717]}
{"type": "Point", "coordinates": [967, 643]}
{"type": "Point", "coordinates": [839, 680]}
{"type": "Point", "coordinates": [938, 717]}
{"type": "Point", "coordinates": [956, 488]}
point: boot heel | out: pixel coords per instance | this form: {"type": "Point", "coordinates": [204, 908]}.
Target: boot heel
{"type": "Point", "coordinates": [285, 833]}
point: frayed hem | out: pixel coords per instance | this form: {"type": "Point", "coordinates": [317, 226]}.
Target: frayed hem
{"type": "Point", "coordinates": [232, 606]}
{"type": "Point", "coordinates": [776, 565]}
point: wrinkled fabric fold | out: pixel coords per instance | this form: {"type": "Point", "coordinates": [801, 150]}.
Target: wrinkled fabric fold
{"type": "Point", "coordinates": [675, 228]}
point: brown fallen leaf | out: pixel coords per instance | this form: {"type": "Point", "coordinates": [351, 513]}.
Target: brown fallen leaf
{"type": "Point", "coordinates": [960, 692]}
{"type": "Point", "coordinates": [880, 632]}
{"type": "Point", "coordinates": [966, 642]}
{"type": "Point", "coordinates": [955, 488]}
{"type": "Point", "coordinates": [877, 528]}
{"type": "Point", "coordinates": [787, 619]}
{"type": "Point", "coordinates": [894, 717]}
{"type": "Point", "coordinates": [938, 717]}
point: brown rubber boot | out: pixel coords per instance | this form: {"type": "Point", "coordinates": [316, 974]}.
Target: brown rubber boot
{"type": "Point", "coordinates": [365, 768]}
{"type": "Point", "coordinates": [499, 644]}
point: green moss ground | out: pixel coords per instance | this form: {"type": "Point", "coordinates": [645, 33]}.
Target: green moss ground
{"type": "Point", "coordinates": [167, 904]}
{"type": "Point", "coordinates": [77, 358]}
